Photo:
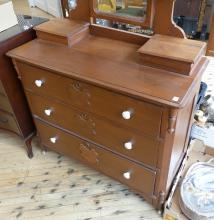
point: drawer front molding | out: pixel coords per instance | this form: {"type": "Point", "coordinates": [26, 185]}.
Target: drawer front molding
{"type": "Point", "coordinates": [120, 139]}
{"type": "Point", "coordinates": [127, 172]}
{"type": "Point", "coordinates": [131, 112]}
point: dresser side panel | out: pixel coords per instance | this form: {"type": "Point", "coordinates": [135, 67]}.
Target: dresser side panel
{"type": "Point", "coordinates": [181, 140]}
{"type": "Point", "coordinates": [12, 85]}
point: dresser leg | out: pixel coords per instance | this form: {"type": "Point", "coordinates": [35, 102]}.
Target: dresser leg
{"type": "Point", "coordinates": [28, 145]}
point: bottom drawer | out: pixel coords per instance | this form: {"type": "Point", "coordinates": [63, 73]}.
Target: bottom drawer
{"type": "Point", "coordinates": [8, 122]}
{"type": "Point", "coordinates": [127, 172]}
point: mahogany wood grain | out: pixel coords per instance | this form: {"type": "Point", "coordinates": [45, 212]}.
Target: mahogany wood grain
{"type": "Point", "coordinates": [52, 37]}
{"type": "Point", "coordinates": [61, 27]}
{"type": "Point", "coordinates": [81, 12]}
{"type": "Point", "coordinates": [118, 34]}
{"type": "Point", "coordinates": [21, 120]}
{"type": "Point", "coordinates": [63, 31]}
{"type": "Point", "coordinates": [142, 179]}
{"type": "Point", "coordinates": [163, 19]}
{"type": "Point", "coordinates": [159, 16]}
{"type": "Point", "coordinates": [148, 83]}
{"type": "Point", "coordinates": [99, 130]}
{"type": "Point", "coordinates": [93, 99]}
{"type": "Point", "coordinates": [87, 85]}
{"type": "Point", "coordinates": [183, 54]}
{"type": "Point", "coordinates": [184, 49]}
{"type": "Point", "coordinates": [174, 145]}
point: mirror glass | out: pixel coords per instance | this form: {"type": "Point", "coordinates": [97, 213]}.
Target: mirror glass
{"type": "Point", "coordinates": [72, 4]}
{"type": "Point", "coordinates": [124, 8]}
{"type": "Point", "coordinates": [125, 27]}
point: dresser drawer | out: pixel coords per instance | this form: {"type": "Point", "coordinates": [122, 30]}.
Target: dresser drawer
{"type": "Point", "coordinates": [5, 104]}
{"type": "Point", "coordinates": [137, 114]}
{"type": "Point", "coordinates": [120, 139]}
{"type": "Point", "coordinates": [127, 172]}
{"type": "Point", "coordinates": [8, 122]}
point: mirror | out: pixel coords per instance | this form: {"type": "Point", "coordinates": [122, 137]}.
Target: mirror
{"type": "Point", "coordinates": [123, 8]}
{"type": "Point", "coordinates": [72, 4]}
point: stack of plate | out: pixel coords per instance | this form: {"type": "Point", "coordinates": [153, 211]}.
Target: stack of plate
{"type": "Point", "coordinates": [197, 192]}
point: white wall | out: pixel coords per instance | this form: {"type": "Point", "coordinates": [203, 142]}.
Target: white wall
{"type": "Point", "coordinates": [53, 7]}
{"type": "Point", "coordinates": [31, 3]}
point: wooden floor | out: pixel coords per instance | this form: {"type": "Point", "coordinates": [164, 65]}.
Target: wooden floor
{"type": "Point", "coordinates": [55, 187]}
{"type": "Point", "coordinates": [22, 7]}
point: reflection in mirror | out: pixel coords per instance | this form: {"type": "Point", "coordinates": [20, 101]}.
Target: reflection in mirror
{"type": "Point", "coordinates": [72, 4]}
{"type": "Point", "coordinates": [125, 27]}
{"type": "Point", "coordinates": [124, 8]}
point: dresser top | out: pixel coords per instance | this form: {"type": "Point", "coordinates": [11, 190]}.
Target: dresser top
{"type": "Point", "coordinates": [111, 64]}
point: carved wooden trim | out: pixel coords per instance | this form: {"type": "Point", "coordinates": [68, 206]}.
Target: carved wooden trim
{"type": "Point", "coordinates": [89, 154]}
{"type": "Point", "coordinates": [161, 199]}
{"type": "Point", "coordinates": [163, 19]}
{"type": "Point", "coordinates": [172, 120]}
{"type": "Point", "coordinates": [159, 16]}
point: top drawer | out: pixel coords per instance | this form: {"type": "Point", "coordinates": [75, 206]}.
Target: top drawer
{"type": "Point", "coordinates": [137, 114]}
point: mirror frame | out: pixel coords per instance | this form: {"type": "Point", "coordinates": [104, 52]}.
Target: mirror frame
{"type": "Point", "coordinates": [148, 22]}
{"type": "Point", "coordinates": [159, 18]}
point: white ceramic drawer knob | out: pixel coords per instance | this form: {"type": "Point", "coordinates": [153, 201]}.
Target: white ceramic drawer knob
{"type": "Point", "coordinates": [127, 175]}
{"type": "Point", "coordinates": [128, 145]}
{"type": "Point", "coordinates": [48, 112]}
{"type": "Point", "coordinates": [39, 82]}
{"type": "Point", "coordinates": [53, 140]}
{"type": "Point", "coordinates": [126, 115]}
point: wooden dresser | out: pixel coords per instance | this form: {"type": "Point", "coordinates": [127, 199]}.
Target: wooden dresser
{"type": "Point", "coordinates": [14, 111]}
{"type": "Point", "coordinates": [98, 100]}
{"type": "Point", "coordinates": [210, 46]}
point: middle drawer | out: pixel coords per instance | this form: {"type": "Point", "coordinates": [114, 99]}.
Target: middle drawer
{"type": "Point", "coordinates": [104, 132]}
{"type": "Point", "coordinates": [140, 115]}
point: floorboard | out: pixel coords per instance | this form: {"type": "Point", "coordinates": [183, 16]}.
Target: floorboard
{"type": "Point", "coordinates": [52, 186]}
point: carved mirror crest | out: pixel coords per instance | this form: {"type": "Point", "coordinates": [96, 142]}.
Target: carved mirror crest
{"type": "Point", "coordinates": [138, 16]}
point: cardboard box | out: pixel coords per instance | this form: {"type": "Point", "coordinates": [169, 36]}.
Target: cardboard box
{"type": "Point", "coordinates": [7, 16]}
{"type": "Point", "coordinates": [206, 136]}
{"type": "Point", "coordinates": [196, 153]}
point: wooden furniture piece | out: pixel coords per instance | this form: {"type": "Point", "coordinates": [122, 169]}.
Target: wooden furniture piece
{"type": "Point", "coordinates": [96, 95]}
{"type": "Point", "coordinates": [14, 112]}
{"type": "Point", "coordinates": [210, 46]}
